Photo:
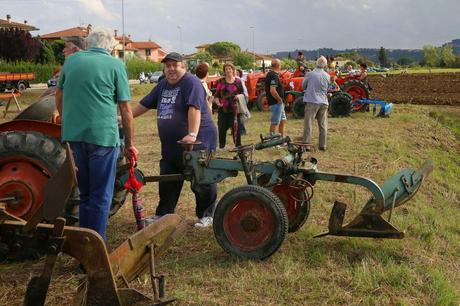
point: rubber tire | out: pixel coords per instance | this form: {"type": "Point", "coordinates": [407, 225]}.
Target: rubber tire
{"type": "Point", "coordinates": [341, 105]}
{"type": "Point", "coordinates": [22, 87]}
{"type": "Point", "coordinates": [355, 83]}
{"type": "Point", "coordinates": [268, 200]}
{"type": "Point", "coordinates": [298, 108]}
{"type": "Point", "coordinates": [260, 104]}
{"type": "Point", "coordinates": [49, 152]}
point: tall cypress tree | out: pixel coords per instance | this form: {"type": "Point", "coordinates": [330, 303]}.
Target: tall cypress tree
{"type": "Point", "coordinates": [383, 57]}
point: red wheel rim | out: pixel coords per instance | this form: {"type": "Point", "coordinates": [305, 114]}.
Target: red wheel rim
{"type": "Point", "coordinates": [24, 179]}
{"type": "Point", "coordinates": [248, 224]}
{"type": "Point", "coordinates": [265, 105]}
{"type": "Point", "coordinates": [356, 92]}
{"type": "Point", "coordinates": [283, 192]}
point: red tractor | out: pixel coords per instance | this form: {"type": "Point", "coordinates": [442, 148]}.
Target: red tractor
{"type": "Point", "coordinates": [31, 153]}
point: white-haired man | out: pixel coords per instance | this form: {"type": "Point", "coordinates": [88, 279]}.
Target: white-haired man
{"type": "Point", "coordinates": [315, 85]}
{"type": "Point", "coordinates": [91, 86]}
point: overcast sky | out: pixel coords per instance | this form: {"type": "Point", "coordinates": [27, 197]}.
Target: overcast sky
{"type": "Point", "coordinates": [278, 25]}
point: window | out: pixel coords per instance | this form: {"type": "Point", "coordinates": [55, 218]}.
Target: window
{"type": "Point", "coordinates": [148, 52]}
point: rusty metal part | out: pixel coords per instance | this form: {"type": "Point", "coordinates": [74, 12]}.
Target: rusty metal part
{"type": "Point", "coordinates": [38, 285]}
{"type": "Point", "coordinates": [41, 110]}
{"type": "Point", "coordinates": [46, 128]}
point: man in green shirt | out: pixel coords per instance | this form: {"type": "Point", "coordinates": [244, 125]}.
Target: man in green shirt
{"type": "Point", "coordinates": [91, 86]}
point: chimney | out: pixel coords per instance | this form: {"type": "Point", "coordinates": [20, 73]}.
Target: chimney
{"type": "Point", "coordinates": [116, 32]}
{"type": "Point", "coordinates": [88, 28]}
{"type": "Point", "coordinates": [25, 21]}
{"type": "Point", "coordinates": [8, 18]}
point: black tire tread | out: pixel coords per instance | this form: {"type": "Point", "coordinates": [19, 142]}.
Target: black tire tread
{"type": "Point", "coordinates": [298, 108]}
{"type": "Point", "coordinates": [277, 208]}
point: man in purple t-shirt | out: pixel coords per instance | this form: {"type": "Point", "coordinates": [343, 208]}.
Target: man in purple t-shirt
{"type": "Point", "coordinates": [182, 114]}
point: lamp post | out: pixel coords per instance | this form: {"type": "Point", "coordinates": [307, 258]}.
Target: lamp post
{"type": "Point", "coordinates": [123, 28]}
{"type": "Point", "coordinates": [253, 51]}
{"type": "Point", "coordinates": [180, 39]}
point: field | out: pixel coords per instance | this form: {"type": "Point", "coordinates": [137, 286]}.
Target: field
{"type": "Point", "coordinates": [421, 269]}
{"type": "Point", "coordinates": [418, 88]}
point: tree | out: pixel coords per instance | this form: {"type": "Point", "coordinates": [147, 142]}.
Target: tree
{"type": "Point", "coordinates": [46, 54]}
{"type": "Point", "coordinates": [430, 56]}
{"type": "Point", "coordinates": [16, 45]}
{"type": "Point", "coordinates": [289, 55]}
{"type": "Point", "coordinates": [383, 59]}
{"type": "Point", "coordinates": [243, 59]}
{"type": "Point", "coordinates": [223, 49]}
{"type": "Point", "coordinates": [203, 57]}
{"type": "Point", "coordinates": [446, 56]}
{"type": "Point", "coordinates": [58, 47]}
{"type": "Point", "coordinates": [405, 61]}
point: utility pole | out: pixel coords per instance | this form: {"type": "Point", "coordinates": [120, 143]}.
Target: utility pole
{"type": "Point", "coordinates": [253, 49]}
{"type": "Point", "coordinates": [180, 39]}
{"type": "Point", "coordinates": [123, 28]}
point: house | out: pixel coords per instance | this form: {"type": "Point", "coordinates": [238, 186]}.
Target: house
{"type": "Point", "coordinates": [143, 49]}
{"type": "Point", "coordinates": [76, 31]}
{"type": "Point", "coordinates": [9, 24]}
{"type": "Point", "coordinates": [148, 50]}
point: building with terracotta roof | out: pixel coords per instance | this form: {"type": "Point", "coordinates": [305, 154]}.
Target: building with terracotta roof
{"type": "Point", "coordinates": [76, 31]}
{"type": "Point", "coordinates": [9, 24]}
{"type": "Point", "coordinates": [148, 50]}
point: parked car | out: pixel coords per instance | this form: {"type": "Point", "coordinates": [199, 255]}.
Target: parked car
{"type": "Point", "coordinates": [51, 82]}
{"type": "Point", "coordinates": [155, 76]}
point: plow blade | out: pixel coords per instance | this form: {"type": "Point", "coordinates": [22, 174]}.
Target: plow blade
{"type": "Point", "coordinates": [397, 190]}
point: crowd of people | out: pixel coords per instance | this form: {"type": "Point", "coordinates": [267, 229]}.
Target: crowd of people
{"type": "Point", "coordinates": [184, 104]}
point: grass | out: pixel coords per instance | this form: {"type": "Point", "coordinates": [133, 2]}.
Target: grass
{"type": "Point", "coordinates": [421, 269]}
{"type": "Point", "coordinates": [421, 70]}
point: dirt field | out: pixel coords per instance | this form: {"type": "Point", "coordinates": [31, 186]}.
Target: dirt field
{"type": "Point", "coordinates": [439, 89]}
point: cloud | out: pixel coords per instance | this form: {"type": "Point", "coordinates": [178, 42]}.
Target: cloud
{"type": "Point", "coordinates": [97, 8]}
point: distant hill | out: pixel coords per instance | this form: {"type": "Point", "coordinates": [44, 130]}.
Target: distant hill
{"type": "Point", "coordinates": [372, 54]}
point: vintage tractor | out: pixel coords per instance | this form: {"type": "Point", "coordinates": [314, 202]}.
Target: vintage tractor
{"type": "Point", "coordinates": [252, 220]}
{"type": "Point", "coordinates": [31, 153]}
{"type": "Point", "coordinates": [107, 276]}
{"type": "Point", "coordinates": [341, 103]}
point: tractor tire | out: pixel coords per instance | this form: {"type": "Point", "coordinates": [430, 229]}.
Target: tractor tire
{"type": "Point", "coordinates": [341, 105]}
{"type": "Point", "coordinates": [298, 108]}
{"type": "Point", "coordinates": [27, 160]}
{"type": "Point", "coordinates": [356, 89]}
{"type": "Point", "coordinates": [250, 222]}
{"type": "Point", "coordinates": [262, 102]}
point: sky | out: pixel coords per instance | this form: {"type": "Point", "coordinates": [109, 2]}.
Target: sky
{"type": "Point", "coordinates": [266, 26]}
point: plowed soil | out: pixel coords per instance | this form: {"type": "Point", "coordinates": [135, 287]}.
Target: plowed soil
{"type": "Point", "coordinates": [436, 89]}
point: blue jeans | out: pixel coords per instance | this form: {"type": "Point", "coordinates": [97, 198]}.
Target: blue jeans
{"type": "Point", "coordinates": [278, 113]}
{"type": "Point", "coordinates": [96, 179]}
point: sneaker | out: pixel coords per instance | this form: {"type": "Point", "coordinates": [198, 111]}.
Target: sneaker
{"type": "Point", "coordinates": [204, 222]}
{"type": "Point", "coordinates": [152, 219]}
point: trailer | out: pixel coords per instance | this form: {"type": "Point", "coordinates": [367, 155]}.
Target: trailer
{"type": "Point", "coordinates": [15, 80]}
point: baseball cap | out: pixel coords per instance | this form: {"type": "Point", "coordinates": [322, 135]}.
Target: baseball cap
{"type": "Point", "coordinates": [174, 56]}
{"type": "Point", "coordinates": [76, 40]}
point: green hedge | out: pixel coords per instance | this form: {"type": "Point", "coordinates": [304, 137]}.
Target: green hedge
{"type": "Point", "coordinates": [137, 65]}
{"type": "Point", "coordinates": [43, 72]}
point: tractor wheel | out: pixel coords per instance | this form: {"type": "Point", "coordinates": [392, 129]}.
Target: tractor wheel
{"type": "Point", "coordinates": [262, 102]}
{"type": "Point", "coordinates": [22, 86]}
{"type": "Point", "coordinates": [341, 105]}
{"type": "Point", "coordinates": [250, 222]}
{"type": "Point", "coordinates": [296, 203]}
{"type": "Point", "coordinates": [27, 161]}
{"type": "Point", "coordinates": [356, 89]}
{"type": "Point", "coordinates": [298, 108]}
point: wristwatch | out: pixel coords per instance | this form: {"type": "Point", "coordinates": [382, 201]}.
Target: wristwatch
{"type": "Point", "coordinates": [193, 134]}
